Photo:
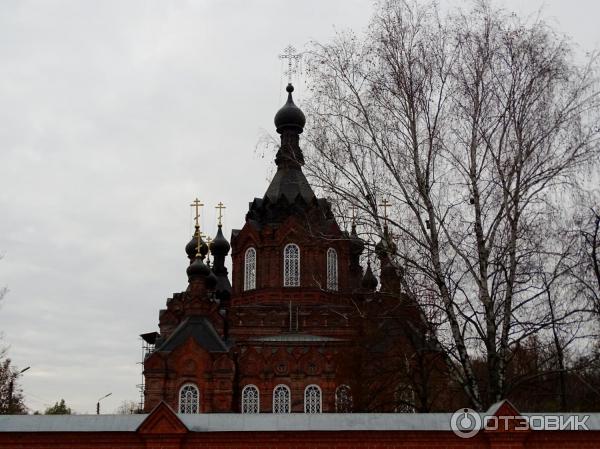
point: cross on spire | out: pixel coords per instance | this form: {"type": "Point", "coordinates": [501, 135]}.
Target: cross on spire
{"type": "Point", "coordinates": [293, 58]}
{"type": "Point", "coordinates": [197, 204]}
{"type": "Point", "coordinates": [353, 208]}
{"type": "Point", "coordinates": [385, 204]}
{"type": "Point", "coordinates": [220, 208]}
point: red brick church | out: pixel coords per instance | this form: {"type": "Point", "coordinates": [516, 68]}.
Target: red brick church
{"type": "Point", "coordinates": [300, 329]}
{"type": "Point", "coordinates": [285, 335]}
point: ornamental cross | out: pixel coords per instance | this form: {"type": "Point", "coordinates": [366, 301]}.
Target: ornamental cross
{"type": "Point", "coordinates": [385, 204]}
{"type": "Point", "coordinates": [208, 240]}
{"type": "Point", "coordinates": [293, 58]}
{"type": "Point", "coordinates": [353, 208]}
{"type": "Point", "coordinates": [197, 204]}
{"type": "Point", "coordinates": [220, 208]}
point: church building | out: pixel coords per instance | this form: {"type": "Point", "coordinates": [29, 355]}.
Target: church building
{"type": "Point", "coordinates": [286, 333]}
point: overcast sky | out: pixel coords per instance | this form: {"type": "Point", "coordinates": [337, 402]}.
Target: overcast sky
{"type": "Point", "coordinates": [114, 115]}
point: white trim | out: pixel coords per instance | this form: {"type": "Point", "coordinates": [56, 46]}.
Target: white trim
{"type": "Point", "coordinates": [320, 398]}
{"type": "Point", "coordinates": [197, 405]}
{"type": "Point", "coordinates": [291, 279]}
{"type": "Point", "coordinates": [250, 271]}
{"type": "Point", "coordinates": [247, 387]}
{"type": "Point", "coordinates": [289, 401]}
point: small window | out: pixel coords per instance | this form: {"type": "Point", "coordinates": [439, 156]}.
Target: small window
{"type": "Point", "coordinates": [250, 399]}
{"type": "Point", "coordinates": [332, 270]}
{"type": "Point", "coordinates": [312, 399]}
{"type": "Point", "coordinates": [281, 399]}
{"type": "Point", "coordinates": [250, 269]}
{"type": "Point", "coordinates": [343, 399]}
{"type": "Point", "coordinates": [189, 399]}
{"type": "Point", "coordinates": [291, 265]}
{"type": "Point", "coordinates": [405, 399]}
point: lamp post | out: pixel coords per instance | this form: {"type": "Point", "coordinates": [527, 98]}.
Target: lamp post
{"type": "Point", "coordinates": [98, 403]}
{"type": "Point", "coordinates": [11, 387]}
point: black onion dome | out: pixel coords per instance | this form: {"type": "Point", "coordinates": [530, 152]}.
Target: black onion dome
{"type": "Point", "coordinates": [290, 115]}
{"type": "Point", "coordinates": [219, 246]}
{"type": "Point", "coordinates": [385, 246]}
{"type": "Point", "coordinates": [369, 281]}
{"type": "Point", "coordinates": [357, 245]}
{"type": "Point", "coordinates": [192, 247]}
{"type": "Point", "coordinates": [197, 268]}
{"type": "Point", "coordinates": [211, 280]}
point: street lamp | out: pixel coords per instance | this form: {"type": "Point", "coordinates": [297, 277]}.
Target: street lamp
{"type": "Point", "coordinates": [11, 386]}
{"type": "Point", "coordinates": [98, 403]}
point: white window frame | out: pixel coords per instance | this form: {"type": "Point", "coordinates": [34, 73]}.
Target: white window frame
{"type": "Point", "coordinates": [332, 270]}
{"type": "Point", "coordinates": [191, 408]}
{"type": "Point", "coordinates": [288, 404]}
{"type": "Point", "coordinates": [250, 269]}
{"type": "Point", "coordinates": [250, 404]}
{"type": "Point", "coordinates": [291, 276]}
{"type": "Point", "coordinates": [309, 406]}
{"type": "Point", "coordinates": [343, 388]}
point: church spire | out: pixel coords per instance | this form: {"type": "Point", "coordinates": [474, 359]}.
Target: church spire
{"type": "Point", "coordinates": [191, 249]}
{"type": "Point", "coordinates": [290, 121]}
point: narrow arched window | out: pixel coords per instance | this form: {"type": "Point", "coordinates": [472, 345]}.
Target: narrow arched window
{"type": "Point", "coordinates": [189, 399]}
{"type": "Point", "coordinates": [250, 269]}
{"type": "Point", "coordinates": [343, 399]}
{"type": "Point", "coordinates": [312, 399]}
{"type": "Point", "coordinates": [281, 399]}
{"type": "Point", "coordinates": [291, 265]}
{"type": "Point", "coordinates": [250, 399]}
{"type": "Point", "coordinates": [332, 269]}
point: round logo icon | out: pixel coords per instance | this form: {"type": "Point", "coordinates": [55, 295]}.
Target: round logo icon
{"type": "Point", "coordinates": [465, 423]}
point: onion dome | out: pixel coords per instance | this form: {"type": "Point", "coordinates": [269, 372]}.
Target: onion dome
{"type": "Point", "coordinates": [369, 281]}
{"type": "Point", "coordinates": [356, 243]}
{"type": "Point", "coordinates": [197, 268]}
{"type": "Point", "coordinates": [385, 246]}
{"type": "Point", "coordinates": [290, 115]}
{"type": "Point", "coordinates": [211, 280]}
{"type": "Point", "coordinates": [192, 247]}
{"type": "Point", "coordinates": [219, 246]}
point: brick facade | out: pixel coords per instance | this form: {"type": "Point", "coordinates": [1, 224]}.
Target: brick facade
{"type": "Point", "coordinates": [222, 335]}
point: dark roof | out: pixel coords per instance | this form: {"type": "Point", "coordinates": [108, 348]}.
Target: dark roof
{"type": "Point", "coordinates": [201, 330]}
{"type": "Point", "coordinates": [289, 183]}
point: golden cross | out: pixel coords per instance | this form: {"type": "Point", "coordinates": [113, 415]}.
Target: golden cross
{"type": "Point", "coordinates": [385, 204]}
{"type": "Point", "coordinates": [198, 244]}
{"type": "Point", "coordinates": [201, 236]}
{"type": "Point", "coordinates": [208, 240]}
{"type": "Point", "coordinates": [220, 206]}
{"type": "Point", "coordinates": [197, 205]}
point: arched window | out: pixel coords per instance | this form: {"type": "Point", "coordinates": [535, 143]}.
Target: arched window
{"type": "Point", "coordinates": [291, 265]}
{"type": "Point", "coordinates": [250, 269]}
{"type": "Point", "coordinates": [332, 269]}
{"type": "Point", "coordinates": [281, 399]}
{"type": "Point", "coordinates": [312, 399]}
{"type": "Point", "coordinates": [250, 399]}
{"type": "Point", "coordinates": [189, 399]}
{"type": "Point", "coordinates": [343, 399]}
{"type": "Point", "coordinates": [405, 399]}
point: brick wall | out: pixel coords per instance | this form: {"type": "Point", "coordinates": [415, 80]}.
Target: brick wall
{"type": "Point", "coordinates": [163, 429]}
{"type": "Point", "coordinates": [296, 440]}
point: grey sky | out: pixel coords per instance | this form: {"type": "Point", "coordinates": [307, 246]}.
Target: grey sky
{"type": "Point", "coordinates": [115, 115]}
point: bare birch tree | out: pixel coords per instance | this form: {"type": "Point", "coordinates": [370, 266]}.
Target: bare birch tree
{"type": "Point", "coordinates": [474, 125]}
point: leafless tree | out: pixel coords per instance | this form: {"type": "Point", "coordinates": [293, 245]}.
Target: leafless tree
{"type": "Point", "coordinates": [474, 125]}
